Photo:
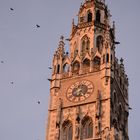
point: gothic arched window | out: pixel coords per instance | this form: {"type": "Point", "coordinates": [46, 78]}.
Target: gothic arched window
{"type": "Point", "coordinates": [97, 61]}
{"type": "Point", "coordinates": [88, 45]}
{"type": "Point", "coordinates": [99, 42]}
{"type": "Point", "coordinates": [58, 69]}
{"type": "Point", "coordinates": [107, 58]}
{"type": "Point", "coordinates": [85, 44]}
{"type": "Point", "coordinates": [67, 131]}
{"type": "Point", "coordinates": [89, 17]}
{"type": "Point", "coordinates": [86, 63]}
{"type": "Point", "coordinates": [76, 66]}
{"type": "Point", "coordinates": [75, 49]}
{"type": "Point", "coordinates": [66, 68]}
{"type": "Point", "coordinates": [87, 128]}
{"type": "Point", "coordinates": [98, 16]}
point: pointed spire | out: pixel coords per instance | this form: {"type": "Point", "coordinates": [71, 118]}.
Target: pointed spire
{"type": "Point", "coordinates": [114, 28]}
{"type": "Point", "coordinates": [72, 22]}
{"type": "Point", "coordinates": [73, 27]}
{"type": "Point", "coordinates": [60, 49]}
{"type": "Point", "coordinates": [113, 32]}
{"type": "Point", "coordinates": [61, 42]}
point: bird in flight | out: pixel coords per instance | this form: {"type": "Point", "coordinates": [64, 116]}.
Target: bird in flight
{"type": "Point", "coordinates": [11, 9]}
{"type": "Point", "coordinates": [68, 39]}
{"type": "Point", "coordinates": [12, 82]}
{"type": "Point", "coordinates": [37, 26]}
{"type": "Point", "coordinates": [38, 102]}
{"type": "Point", "coordinates": [49, 79]}
{"type": "Point", "coordinates": [116, 42]}
{"type": "Point", "coordinates": [50, 67]}
{"type": "Point", "coordinates": [2, 61]}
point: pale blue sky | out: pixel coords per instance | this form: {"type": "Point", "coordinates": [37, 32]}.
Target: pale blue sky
{"type": "Point", "coordinates": [27, 52]}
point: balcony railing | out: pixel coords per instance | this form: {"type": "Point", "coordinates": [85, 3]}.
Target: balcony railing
{"type": "Point", "coordinates": [85, 24]}
{"type": "Point", "coordinates": [99, 24]}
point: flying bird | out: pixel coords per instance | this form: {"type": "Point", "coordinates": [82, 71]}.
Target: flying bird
{"type": "Point", "coordinates": [68, 39]}
{"type": "Point", "coordinates": [12, 82]}
{"type": "Point", "coordinates": [50, 67]}
{"type": "Point", "coordinates": [2, 61]}
{"type": "Point", "coordinates": [50, 80]}
{"type": "Point", "coordinates": [38, 26]}
{"type": "Point", "coordinates": [11, 9]}
{"type": "Point", "coordinates": [117, 43]}
{"type": "Point", "coordinates": [38, 102]}
{"type": "Point", "coordinates": [130, 108]}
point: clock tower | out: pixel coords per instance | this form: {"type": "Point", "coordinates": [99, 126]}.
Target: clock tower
{"type": "Point", "coordinates": [89, 87]}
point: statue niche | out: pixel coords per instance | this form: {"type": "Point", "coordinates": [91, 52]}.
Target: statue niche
{"type": "Point", "coordinates": [99, 43]}
{"type": "Point", "coordinates": [85, 45]}
{"type": "Point", "coordinates": [76, 67]}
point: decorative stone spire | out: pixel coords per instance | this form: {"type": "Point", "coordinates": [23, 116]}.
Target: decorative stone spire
{"type": "Point", "coordinates": [114, 28]}
{"type": "Point", "coordinates": [61, 38]}
{"type": "Point", "coordinates": [60, 50]}
{"type": "Point", "coordinates": [72, 26]}
{"type": "Point", "coordinates": [72, 22]}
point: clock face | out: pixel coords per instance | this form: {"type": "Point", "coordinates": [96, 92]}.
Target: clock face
{"type": "Point", "coordinates": [79, 91]}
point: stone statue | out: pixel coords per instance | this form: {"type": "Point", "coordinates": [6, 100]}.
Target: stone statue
{"type": "Point", "coordinates": [98, 112]}
{"type": "Point", "coordinates": [59, 113]}
{"type": "Point", "coordinates": [77, 127]}
{"type": "Point", "coordinates": [98, 105]}
{"type": "Point", "coordinates": [77, 131]}
{"type": "Point", "coordinates": [57, 135]}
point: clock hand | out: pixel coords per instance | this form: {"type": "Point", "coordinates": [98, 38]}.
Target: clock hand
{"type": "Point", "coordinates": [80, 91]}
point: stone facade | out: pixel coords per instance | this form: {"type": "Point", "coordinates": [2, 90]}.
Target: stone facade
{"type": "Point", "coordinates": [89, 87]}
